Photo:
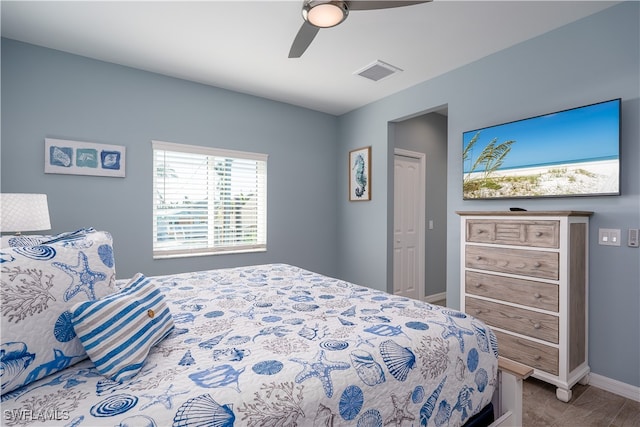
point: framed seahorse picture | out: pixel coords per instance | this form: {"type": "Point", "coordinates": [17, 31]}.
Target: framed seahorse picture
{"type": "Point", "coordinates": [360, 174]}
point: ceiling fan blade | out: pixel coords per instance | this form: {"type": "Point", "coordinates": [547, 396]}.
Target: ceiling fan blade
{"type": "Point", "coordinates": [381, 4]}
{"type": "Point", "coordinates": [303, 39]}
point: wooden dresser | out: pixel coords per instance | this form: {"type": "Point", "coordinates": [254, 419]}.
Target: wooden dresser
{"type": "Point", "coordinates": [525, 273]}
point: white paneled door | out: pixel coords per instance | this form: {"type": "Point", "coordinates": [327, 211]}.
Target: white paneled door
{"type": "Point", "coordinates": [408, 224]}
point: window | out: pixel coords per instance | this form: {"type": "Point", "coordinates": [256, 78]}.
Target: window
{"type": "Point", "coordinates": [207, 201]}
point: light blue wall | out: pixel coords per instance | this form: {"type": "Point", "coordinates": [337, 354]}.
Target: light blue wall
{"type": "Point", "coordinates": [594, 59]}
{"type": "Point", "coordinates": [47, 93]}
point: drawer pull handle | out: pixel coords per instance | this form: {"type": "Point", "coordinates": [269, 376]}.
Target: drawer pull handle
{"type": "Point", "coordinates": [537, 357]}
{"type": "Point", "coordinates": [478, 257]}
{"type": "Point", "coordinates": [538, 233]}
{"type": "Point", "coordinates": [478, 312]}
{"type": "Point", "coordinates": [478, 285]}
{"type": "Point", "coordinates": [536, 326]}
{"type": "Point", "coordinates": [537, 264]}
{"type": "Point", "coordinates": [537, 295]}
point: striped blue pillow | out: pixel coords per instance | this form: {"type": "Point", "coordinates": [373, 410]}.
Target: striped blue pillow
{"type": "Point", "coordinates": [118, 331]}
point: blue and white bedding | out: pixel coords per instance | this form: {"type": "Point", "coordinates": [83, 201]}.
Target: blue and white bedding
{"type": "Point", "coordinates": [276, 345]}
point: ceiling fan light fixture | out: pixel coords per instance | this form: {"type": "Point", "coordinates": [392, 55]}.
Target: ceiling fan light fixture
{"type": "Point", "coordinates": [325, 14]}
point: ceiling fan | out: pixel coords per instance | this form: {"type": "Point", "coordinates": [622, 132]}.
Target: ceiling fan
{"type": "Point", "coordinates": [319, 14]}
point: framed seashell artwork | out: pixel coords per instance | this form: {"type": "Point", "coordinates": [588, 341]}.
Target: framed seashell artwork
{"type": "Point", "coordinates": [84, 158]}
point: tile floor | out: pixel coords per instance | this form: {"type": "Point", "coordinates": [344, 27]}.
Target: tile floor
{"type": "Point", "coordinates": [589, 406]}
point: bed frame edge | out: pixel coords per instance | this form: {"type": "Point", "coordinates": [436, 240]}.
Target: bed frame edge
{"type": "Point", "coordinates": [507, 399]}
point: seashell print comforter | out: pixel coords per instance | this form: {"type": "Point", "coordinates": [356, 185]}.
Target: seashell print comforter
{"type": "Point", "coordinates": [276, 345]}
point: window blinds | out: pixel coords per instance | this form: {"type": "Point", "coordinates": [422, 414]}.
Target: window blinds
{"type": "Point", "coordinates": [207, 200]}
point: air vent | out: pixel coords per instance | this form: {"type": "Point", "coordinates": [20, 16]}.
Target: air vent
{"type": "Point", "coordinates": [377, 71]}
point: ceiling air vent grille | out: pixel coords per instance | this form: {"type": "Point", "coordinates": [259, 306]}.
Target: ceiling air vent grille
{"type": "Point", "coordinates": [377, 71]}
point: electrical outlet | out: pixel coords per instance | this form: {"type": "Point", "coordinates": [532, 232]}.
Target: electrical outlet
{"type": "Point", "coordinates": [609, 236]}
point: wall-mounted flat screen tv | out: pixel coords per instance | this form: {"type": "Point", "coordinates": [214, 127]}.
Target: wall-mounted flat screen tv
{"type": "Point", "coordinates": [574, 152]}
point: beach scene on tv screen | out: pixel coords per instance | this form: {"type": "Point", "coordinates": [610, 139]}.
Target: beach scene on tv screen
{"type": "Point", "coordinates": [569, 153]}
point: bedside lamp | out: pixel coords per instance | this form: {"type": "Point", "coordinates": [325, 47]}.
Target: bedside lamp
{"type": "Point", "coordinates": [23, 212]}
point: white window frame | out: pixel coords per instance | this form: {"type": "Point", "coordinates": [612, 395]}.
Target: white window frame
{"type": "Point", "coordinates": [161, 251]}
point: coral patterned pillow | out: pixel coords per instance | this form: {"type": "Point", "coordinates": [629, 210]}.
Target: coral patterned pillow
{"type": "Point", "coordinates": [40, 283]}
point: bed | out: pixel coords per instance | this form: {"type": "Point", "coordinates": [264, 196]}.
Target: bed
{"type": "Point", "coordinates": [266, 345]}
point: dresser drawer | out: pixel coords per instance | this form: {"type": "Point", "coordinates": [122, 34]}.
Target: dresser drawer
{"type": "Point", "coordinates": [527, 352]}
{"type": "Point", "coordinates": [525, 322]}
{"type": "Point", "coordinates": [537, 264]}
{"type": "Point", "coordinates": [525, 292]}
{"type": "Point", "coordinates": [542, 234]}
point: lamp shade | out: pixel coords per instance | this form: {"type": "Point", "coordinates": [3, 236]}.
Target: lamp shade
{"type": "Point", "coordinates": [24, 212]}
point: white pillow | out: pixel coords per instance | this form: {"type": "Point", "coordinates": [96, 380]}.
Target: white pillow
{"type": "Point", "coordinates": [40, 283]}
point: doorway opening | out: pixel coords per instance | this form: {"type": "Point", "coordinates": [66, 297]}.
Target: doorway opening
{"type": "Point", "coordinates": [425, 134]}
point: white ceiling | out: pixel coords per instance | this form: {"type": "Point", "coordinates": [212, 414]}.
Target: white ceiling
{"type": "Point", "coordinates": [243, 45]}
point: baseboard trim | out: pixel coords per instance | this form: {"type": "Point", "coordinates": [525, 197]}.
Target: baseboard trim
{"type": "Point", "coordinates": [436, 297]}
{"type": "Point", "coordinates": [615, 386]}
